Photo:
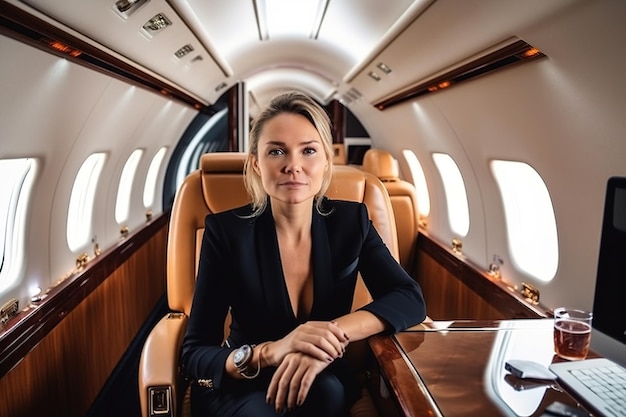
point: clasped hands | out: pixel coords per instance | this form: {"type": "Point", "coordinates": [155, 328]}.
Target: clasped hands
{"type": "Point", "coordinates": [300, 357]}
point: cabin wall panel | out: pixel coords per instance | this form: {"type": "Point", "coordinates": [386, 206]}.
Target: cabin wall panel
{"type": "Point", "coordinates": [64, 373]}
{"type": "Point", "coordinates": [33, 123]}
{"type": "Point", "coordinates": [60, 112]}
{"type": "Point", "coordinates": [427, 46]}
{"type": "Point", "coordinates": [163, 125]}
{"type": "Point", "coordinates": [37, 385]}
{"type": "Point", "coordinates": [561, 114]}
{"type": "Point", "coordinates": [448, 298]}
{"type": "Point", "coordinates": [454, 289]}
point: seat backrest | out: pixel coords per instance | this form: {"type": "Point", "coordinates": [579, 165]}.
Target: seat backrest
{"type": "Point", "coordinates": [218, 185]}
{"type": "Point", "coordinates": [403, 199]}
{"type": "Point", "coordinates": [339, 154]}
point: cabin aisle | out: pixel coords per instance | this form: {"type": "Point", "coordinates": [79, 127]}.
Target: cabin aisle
{"type": "Point", "coordinates": [120, 395]}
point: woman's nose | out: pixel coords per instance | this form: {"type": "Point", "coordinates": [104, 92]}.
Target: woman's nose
{"type": "Point", "coordinates": [292, 169]}
{"type": "Point", "coordinates": [293, 166]}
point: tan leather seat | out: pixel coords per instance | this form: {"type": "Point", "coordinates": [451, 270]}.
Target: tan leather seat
{"type": "Point", "coordinates": [403, 199]}
{"type": "Point", "coordinates": [217, 186]}
{"type": "Point", "coordinates": [339, 154]}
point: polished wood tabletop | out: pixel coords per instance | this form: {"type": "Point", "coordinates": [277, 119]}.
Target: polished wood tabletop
{"type": "Point", "coordinates": [456, 368]}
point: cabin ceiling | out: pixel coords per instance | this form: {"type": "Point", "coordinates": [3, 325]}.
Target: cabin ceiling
{"type": "Point", "coordinates": [354, 36]}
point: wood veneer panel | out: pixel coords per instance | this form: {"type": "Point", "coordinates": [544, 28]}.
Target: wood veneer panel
{"type": "Point", "coordinates": [449, 298]}
{"type": "Point", "coordinates": [400, 378]}
{"type": "Point", "coordinates": [456, 289]}
{"type": "Point", "coordinates": [64, 372]}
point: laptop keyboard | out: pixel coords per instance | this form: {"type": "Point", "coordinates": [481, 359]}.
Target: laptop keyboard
{"type": "Point", "coordinates": [608, 383]}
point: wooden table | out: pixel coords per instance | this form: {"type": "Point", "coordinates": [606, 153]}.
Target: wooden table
{"type": "Point", "coordinates": [456, 368]}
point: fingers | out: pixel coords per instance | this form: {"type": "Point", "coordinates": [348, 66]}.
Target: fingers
{"type": "Point", "coordinates": [306, 381]}
{"type": "Point", "coordinates": [319, 348]}
{"type": "Point", "coordinates": [322, 340]}
{"type": "Point", "coordinates": [272, 389]}
{"type": "Point", "coordinates": [278, 390]}
{"type": "Point", "coordinates": [292, 381]}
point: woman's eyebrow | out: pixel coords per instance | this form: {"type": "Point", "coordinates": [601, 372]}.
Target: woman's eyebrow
{"type": "Point", "coordinates": [279, 143]}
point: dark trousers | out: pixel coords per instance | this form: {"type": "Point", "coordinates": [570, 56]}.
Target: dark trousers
{"type": "Point", "coordinates": [329, 397]}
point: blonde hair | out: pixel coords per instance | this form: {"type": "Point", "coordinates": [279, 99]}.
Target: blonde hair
{"type": "Point", "coordinates": [295, 103]}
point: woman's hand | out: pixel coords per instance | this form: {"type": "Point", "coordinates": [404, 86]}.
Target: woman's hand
{"type": "Point", "coordinates": [322, 340]}
{"type": "Point", "coordinates": [292, 380]}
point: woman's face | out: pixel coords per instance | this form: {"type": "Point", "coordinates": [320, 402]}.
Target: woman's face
{"type": "Point", "coordinates": [291, 160]}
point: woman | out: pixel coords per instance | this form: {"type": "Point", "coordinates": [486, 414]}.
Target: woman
{"type": "Point", "coordinates": [286, 267]}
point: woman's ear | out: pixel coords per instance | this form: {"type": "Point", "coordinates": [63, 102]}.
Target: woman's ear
{"type": "Point", "coordinates": [255, 165]}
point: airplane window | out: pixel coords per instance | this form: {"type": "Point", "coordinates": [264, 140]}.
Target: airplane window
{"type": "Point", "coordinates": [419, 181]}
{"type": "Point", "coordinates": [456, 196]}
{"type": "Point", "coordinates": [198, 145]}
{"type": "Point", "coordinates": [530, 219]}
{"type": "Point", "coordinates": [80, 209]}
{"type": "Point", "coordinates": [15, 190]}
{"type": "Point", "coordinates": [151, 178]}
{"type": "Point", "coordinates": [125, 188]}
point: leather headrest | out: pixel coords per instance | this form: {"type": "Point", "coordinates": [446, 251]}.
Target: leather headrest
{"type": "Point", "coordinates": [222, 180]}
{"type": "Point", "coordinates": [223, 162]}
{"type": "Point", "coordinates": [380, 163]}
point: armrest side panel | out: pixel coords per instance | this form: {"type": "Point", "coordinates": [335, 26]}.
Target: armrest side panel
{"type": "Point", "coordinates": [159, 358]}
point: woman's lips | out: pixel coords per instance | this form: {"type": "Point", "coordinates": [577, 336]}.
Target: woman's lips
{"type": "Point", "coordinates": [292, 184]}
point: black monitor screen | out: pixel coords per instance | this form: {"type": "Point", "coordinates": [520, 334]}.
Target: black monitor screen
{"type": "Point", "coordinates": [609, 315]}
{"type": "Point", "coordinates": [356, 153]}
{"type": "Point", "coordinates": [619, 209]}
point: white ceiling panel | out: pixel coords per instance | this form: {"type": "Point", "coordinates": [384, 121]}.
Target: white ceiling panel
{"type": "Point", "coordinates": [99, 21]}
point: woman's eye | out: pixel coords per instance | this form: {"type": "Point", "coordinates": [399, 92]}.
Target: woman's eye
{"type": "Point", "coordinates": [310, 151]}
{"type": "Point", "coordinates": [275, 152]}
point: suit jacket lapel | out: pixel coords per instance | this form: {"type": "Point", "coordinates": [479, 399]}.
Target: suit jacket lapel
{"type": "Point", "coordinates": [322, 264]}
{"type": "Point", "coordinates": [271, 273]}
{"type": "Point", "coordinates": [270, 268]}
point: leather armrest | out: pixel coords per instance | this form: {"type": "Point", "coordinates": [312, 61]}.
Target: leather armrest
{"type": "Point", "coordinates": [158, 366]}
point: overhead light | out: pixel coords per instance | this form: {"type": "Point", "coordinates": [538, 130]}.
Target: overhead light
{"type": "Point", "coordinates": [384, 68]}
{"type": "Point", "coordinates": [288, 18]}
{"type": "Point", "coordinates": [63, 48]}
{"type": "Point", "coordinates": [156, 24]}
{"type": "Point", "coordinates": [374, 76]}
{"type": "Point", "coordinates": [124, 8]}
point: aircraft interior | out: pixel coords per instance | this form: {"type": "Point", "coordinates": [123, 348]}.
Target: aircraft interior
{"type": "Point", "coordinates": [485, 138]}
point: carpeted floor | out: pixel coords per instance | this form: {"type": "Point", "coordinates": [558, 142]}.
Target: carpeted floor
{"type": "Point", "coordinates": [120, 395]}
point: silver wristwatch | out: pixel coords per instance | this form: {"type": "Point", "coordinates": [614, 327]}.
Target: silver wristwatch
{"type": "Point", "coordinates": [242, 358]}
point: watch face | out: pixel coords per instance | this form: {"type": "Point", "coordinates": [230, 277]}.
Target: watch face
{"type": "Point", "coordinates": [241, 355]}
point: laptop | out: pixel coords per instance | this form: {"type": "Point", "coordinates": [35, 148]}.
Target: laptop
{"type": "Point", "coordinates": [599, 382]}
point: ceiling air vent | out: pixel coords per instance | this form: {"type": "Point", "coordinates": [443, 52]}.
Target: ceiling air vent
{"type": "Point", "coordinates": [511, 54]}
{"type": "Point", "coordinates": [350, 96]}
{"type": "Point", "coordinates": [183, 51]}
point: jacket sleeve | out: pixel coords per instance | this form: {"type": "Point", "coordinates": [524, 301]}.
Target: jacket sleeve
{"type": "Point", "coordinates": [397, 296]}
{"type": "Point", "coordinates": [202, 355]}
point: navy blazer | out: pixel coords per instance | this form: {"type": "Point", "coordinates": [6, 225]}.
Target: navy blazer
{"type": "Point", "coordinates": [240, 269]}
